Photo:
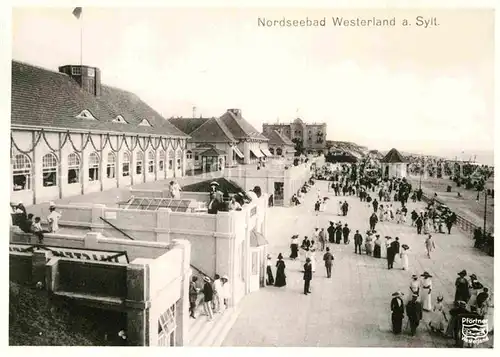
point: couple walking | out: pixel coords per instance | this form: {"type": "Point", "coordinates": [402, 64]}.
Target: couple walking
{"type": "Point", "coordinates": [308, 270]}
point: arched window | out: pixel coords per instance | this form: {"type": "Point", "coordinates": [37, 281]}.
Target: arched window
{"type": "Point", "coordinates": [21, 171]}
{"type": "Point", "coordinates": [49, 170]}
{"type": "Point", "coordinates": [179, 155]}
{"type": "Point", "coordinates": [93, 167]}
{"type": "Point", "coordinates": [126, 164]}
{"type": "Point", "coordinates": [151, 162]}
{"type": "Point", "coordinates": [279, 152]}
{"type": "Point", "coordinates": [110, 168]}
{"type": "Point", "coordinates": [161, 160]}
{"type": "Point", "coordinates": [171, 155]}
{"type": "Point", "coordinates": [139, 158]}
{"type": "Point", "coordinates": [73, 168]}
{"type": "Point", "coordinates": [271, 150]}
{"type": "Point", "coordinates": [189, 155]}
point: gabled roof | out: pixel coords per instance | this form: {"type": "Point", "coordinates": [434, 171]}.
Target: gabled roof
{"type": "Point", "coordinates": [213, 152]}
{"type": "Point", "coordinates": [393, 156]}
{"type": "Point", "coordinates": [240, 128]}
{"type": "Point", "coordinates": [275, 138]}
{"type": "Point", "coordinates": [187, 125]}
{"type": "Point", "coordinates": [41, 97]}
{"type": "Point", "coordinates": [212, 131]}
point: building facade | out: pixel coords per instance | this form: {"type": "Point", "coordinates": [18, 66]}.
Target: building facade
{"type": "Point", "coordinates": [234, 138]}
{"type": "Point", "coordinates": [72, 135]}
{"type": "Point", "coordinates": [280, 145]}
{"type": "Point", "coordinates": [312, 135]}
{"type": "Point", "coordinates": [394, 165]}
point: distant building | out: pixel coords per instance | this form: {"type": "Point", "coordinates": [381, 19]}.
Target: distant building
{"type": "Point", "coordinates": [72, 135]}
{"type": "Point", "coordinates": [221, 142]}
{"type": "Point", "coordinates": [313, 135]}
{"type": "Point", "coordinates": [280, 145]}
{"type": "Point", "coordinates": [394, 165]}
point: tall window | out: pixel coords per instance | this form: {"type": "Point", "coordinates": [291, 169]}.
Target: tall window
{"type": "Point", "coordinates": [93, 167]}
{"type": "Point", "coordinates": [171, 155]}
{"type": "Point", "coordinates": [73, 168]}
{"type": "Point", "coordinates": [151, 162]}
{"type": "Point", "coordinates": [166, 327]}
{"type": "Point", "coordinates": [189, 155]}
{"type": "Point", "coordinates": [21, 171]}
{"type": "Point", "coordinates": [110, 168]}
{"type": "Point", "coordinates": [139, 158]}
{"type": "Point", "coordinates": [126, 164]}
{"type": "Point", "coordinates": [49, 170]}
{"type": "Point", "coordinates": [161, 161]}
{"type": "Point", "coordinates": [179, 155]}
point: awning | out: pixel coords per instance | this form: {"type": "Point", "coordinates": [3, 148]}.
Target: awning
{"type": "Point", "coordinates": [266, 152]}
{"type": "Point", "coordinates": [257, 153]}
{"type": "Point", "coordinates": [238, 152]}
{"type": "Point", "coordinates": [257, 239]}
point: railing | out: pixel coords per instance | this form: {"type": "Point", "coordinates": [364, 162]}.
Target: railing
{"type": "Point", "coordinates": [118, 229]}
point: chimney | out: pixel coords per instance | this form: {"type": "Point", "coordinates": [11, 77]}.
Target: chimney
{"type": "Point", "coordinates": [236, 112]}
{"type": "Point", "coordinates": [88, 78]}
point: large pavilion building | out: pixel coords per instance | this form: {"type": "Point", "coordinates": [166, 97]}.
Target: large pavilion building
{"type": "Point", "coordinates": [394, 165]}
{"type": "Point", "coordinates": [222, 142]}
{"type": "Point", "coordinates": [72, 135]}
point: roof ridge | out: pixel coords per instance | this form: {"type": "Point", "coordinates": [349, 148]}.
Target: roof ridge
{"type": "Point", "coordinates": [39, 67]}
{"type": "Point", "coordinates": [225, 129]}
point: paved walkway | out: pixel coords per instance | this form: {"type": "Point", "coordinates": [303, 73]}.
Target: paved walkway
{"type": "Point", "coordinates": [352, 308]}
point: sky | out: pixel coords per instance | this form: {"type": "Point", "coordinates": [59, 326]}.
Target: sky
{"type": "Point", "coordinates": [416, 89]}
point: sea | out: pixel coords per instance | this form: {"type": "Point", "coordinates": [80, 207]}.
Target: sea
{"type": "Point", "coordinates": [483, 157]}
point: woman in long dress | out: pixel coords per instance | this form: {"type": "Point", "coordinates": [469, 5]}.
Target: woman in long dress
{"type": "Point", "coordinates": [369, 244]}
{"type": "Point", "coordinates": [294, 247]}
{"type": "Point", "coordinates": [280, 272]}
{"type": "Point", "coordinates": [427, 226]}
{"type": "Point", "coordinates": [377, 245]}
{"type": "Point", "coordinates": [475, 288]}
{"type": "Point", "coordinates": [339, 212]}
{"type": "Point", "coordinates": [426, 291]}
{"type": "Point", "coordinates": [404, 257]}
{"type": "Point", "coordinates": [439, 319]}
{"type": "Point", "coordinates": [312, 256]}
{"type": "Point", "coordinates": [269, 271]}
{"type": "Point", "coordinates": [381, 213]}
{"type": "Point", "coordinates": [462, 287]}
{"type": "Point", "coordinates": [383, 247]}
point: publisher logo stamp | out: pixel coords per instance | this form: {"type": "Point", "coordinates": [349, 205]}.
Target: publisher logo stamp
{"type": "Point", "coordinates": [474, 330]}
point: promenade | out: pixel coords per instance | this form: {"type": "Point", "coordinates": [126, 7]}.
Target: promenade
{"type": "Point", "coordinates": [352, 308]}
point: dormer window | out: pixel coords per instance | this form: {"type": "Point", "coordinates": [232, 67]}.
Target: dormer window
{"type": "Point", "coordinates": [85, 114]}
{"type": "Point", "coordinates": [76, 71]}
{"type": "Point", "coordinates": [144, 122]}
{"type": "Point", "coordinates": [119, 119]}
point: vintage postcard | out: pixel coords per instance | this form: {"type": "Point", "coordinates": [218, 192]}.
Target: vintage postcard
{"type": "Point", "coordinates": [251, 176]}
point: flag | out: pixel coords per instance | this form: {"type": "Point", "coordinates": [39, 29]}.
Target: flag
{"type": "Point", "coordinates": [77, 12]}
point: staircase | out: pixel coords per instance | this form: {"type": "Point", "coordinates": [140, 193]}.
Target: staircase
{"type": "Point", "coordinates": [204, 333]}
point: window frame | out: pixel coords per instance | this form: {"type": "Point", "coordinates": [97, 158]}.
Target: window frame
{"type": "Point", "coordinates": [94, 164]}
{"type": "Point", "coordinates": [111, 166]}
{"type": "Point", "coordinates": [50, 171]}
{"type": "Point", "coordinates": [139, 162]}
{"type": "Point", "coordinates": [161, 160]}
{"type": "Point", "coordinates": [74, 166]}
{"type": "Point", "coordinates": [126, 161]}
{"type": "Point", "coordinates": [26, 170]}
{"type": "Point", "coordinates": [151, 162]}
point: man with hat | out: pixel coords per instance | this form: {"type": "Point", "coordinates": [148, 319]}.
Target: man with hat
{"type": "Point", "coordinates": [328, 258]}
{"type": "Point", "coordinates": [414, 313]}
{"type": "Point", "coordinates": [322, 239]}
{"type": "Point", "coordinates": [338, 233]}
{"type": "Point", "coordinates": [53, 218]}
{"type": "Point", "coordinates": [398, 312]}
{"type": "Point", "coordinates": [455, 325]}
{"type": "Point", "coordinates": [307, 276]}
{"type": "Point", "coordinates": [331, 232]}
{"type": "Point", "coordinates": [462, 292]}
{"type": "Point", "coordinates": [358, 241]}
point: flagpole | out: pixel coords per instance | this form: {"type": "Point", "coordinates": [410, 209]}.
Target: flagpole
{"type": "Point", "coordinates": [81, 39]}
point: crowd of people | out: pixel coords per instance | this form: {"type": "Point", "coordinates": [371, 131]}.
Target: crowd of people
{"type": "Point", "coordinates": [214, 295]}
{"type": "Point", "coordinates": [28, 223]}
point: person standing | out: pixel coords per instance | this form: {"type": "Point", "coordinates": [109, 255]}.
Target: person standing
{"type": "Point", "coordinates": [439, 319]}
{"type": "Point", "coordinates": [397, 312]}
{"type": "Point", "coordinates": [377, 246]}
{"type": "Point", "coordinates": [331, 233]}
{"type": "Point", "coordinates": [307, 276]}
{"type": "Point", "coordinates": [358, 241]}
{"type": "Point", "coordinates": [193, 296]}
{"type": "Point", "coordinates": [338, 233]}
{"type": "Point", "coordinates": [280, 272]}
{"type": "Point", "coordinates": [426, 291]}
{"type": "Point", "coordinates": [419, 223]}
{"type": "Point", "coordinates": [462, 292]}
{"type": "Point", "coordinates": [414, 286]}
{"type": "Point", "coordinates": [414, 313]}
{"type": "Point", "coordinates": [375, 206]}
{"type": "Point", "coordinates": [322, 239]}
{"type": "Point", "coordinates": [392, 251]}
{"type": "Point", "coordinates": [217, 298]}
{"type": "Point", "coordinates": [345, 233]}
{"type": "Point", "coordinates": [373, 221]}
{"type": "Point", "coordinates": [269, 271]}
{"type": "Point", "coordinates": [404, 257]}
{"type": "Point", "coordinates": [429, 245]}
{"type": "Point", "coordinates": [369, 243]}
{"type": "Point", "coordinates": [208, 294]}
{"type": "Point", "coordinates": [53, 218]}
{"type": "Point", "coordinates": [328, 259]}
{"type": "Point", "coordinates": [294, 247]}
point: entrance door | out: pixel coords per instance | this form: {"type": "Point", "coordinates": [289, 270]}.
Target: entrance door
{"type": "Point", "coordinates": [255, 271]}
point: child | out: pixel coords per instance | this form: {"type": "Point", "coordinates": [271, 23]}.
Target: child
{"type": "Point", "coordinates": [37, 230]}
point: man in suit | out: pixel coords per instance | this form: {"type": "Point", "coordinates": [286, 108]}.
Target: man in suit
{"type": "Point", "coordinates": [398, 312]}
{"type": "Point", "coordinates": [338, 233]}
{"type": "Point", "coordinates": [373, 221]}
{"type": "Point", "coordinates": [414, 313]}
{"type": "Point", "coordinates": [345, 232]}
{"type": "Point", "coordinates": [328, 258]}
{"type": "Point", "coordinates": [358, 241]}
{"type": "Point", "coordinates": [307, 276]}
{"type": "Point", "coordinates": [391, 253]}
{"type": "Point", "coordinates": [331, 233]}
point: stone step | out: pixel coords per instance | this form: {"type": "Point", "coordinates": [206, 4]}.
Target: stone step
{"type": "Point", "coordinates": [204, 333]}
{"type": "Point", "coordinates": [226, 327]}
